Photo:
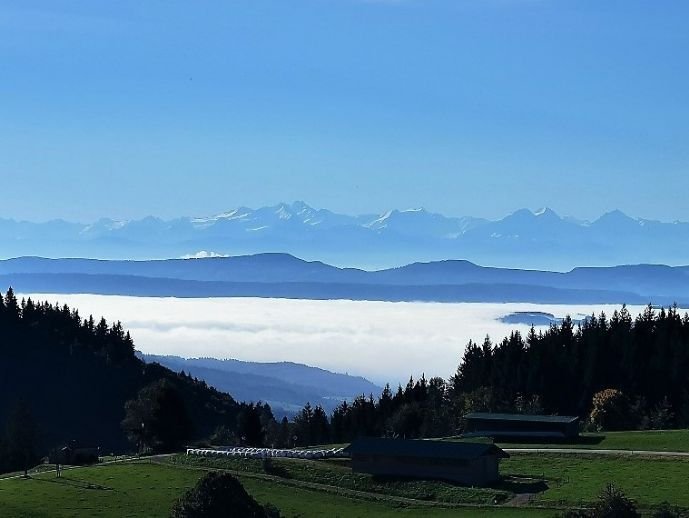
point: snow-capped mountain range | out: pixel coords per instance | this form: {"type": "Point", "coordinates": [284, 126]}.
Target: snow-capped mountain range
{"type": "Point", "coordinates": [524, 239]}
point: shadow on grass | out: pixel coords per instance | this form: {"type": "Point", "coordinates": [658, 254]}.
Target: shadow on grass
{"type": "Point", "coordinates": [521, 485]}
{"type": "Point", "coordinates": [406, 479]}
{"type": "Point", "coordinates": [72, 482]}
{"type": "Point", "coordinates": [276, 470]}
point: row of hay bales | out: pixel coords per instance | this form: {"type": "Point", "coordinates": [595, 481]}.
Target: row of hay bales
{"type": "Point", "coordinates": [267, 453]}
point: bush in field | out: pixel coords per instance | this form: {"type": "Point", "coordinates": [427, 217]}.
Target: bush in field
{"type": "Point", "coordinates": [613, 503]}
{"type": "Point", "coordinates": [610, 411]}
{"type": "Point", "coordinates": [665, 510]}
{"type": "Point", "coordinates": [220, 495]}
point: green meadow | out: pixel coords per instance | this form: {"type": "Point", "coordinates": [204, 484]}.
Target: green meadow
{"type": "Point", "coordinates": [150, 489]}
{"type": "Point", "coordinates": [534, 484]}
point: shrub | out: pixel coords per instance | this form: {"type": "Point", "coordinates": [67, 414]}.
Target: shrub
{"type": "Point", "coordinates": [665, 510]}
{"type": "Point", "coordinates": [610, 411]}
{"type": "Point", "coordinates": [219, 495]}
{"type": "Point", "coordinates": [613, 503]}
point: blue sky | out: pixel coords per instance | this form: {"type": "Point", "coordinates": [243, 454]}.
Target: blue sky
{"type": "Point", "coordinates": [466, 107]}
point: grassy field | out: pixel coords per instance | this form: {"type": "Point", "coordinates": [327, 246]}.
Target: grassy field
{"type": "Point", "coordinates": [294, 502]}
{"type": "Point", "coordinates": [109, 490]}
{"type": "Point", "coordinates": [143, 489]}
{"type": "Point", "coordinates": [339, 475]}
{"type": "Point", "coordinates": [665, 440]}
{"type": "Point", "coordinates": [573, 479]}
{"type": "Point", "coordinates": [567, 480]}
{"type": "Point", "coordinates": [329, 488]}
{"type": "Point", "coordinates": [33, 471]}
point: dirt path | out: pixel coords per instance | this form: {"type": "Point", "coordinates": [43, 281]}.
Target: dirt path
{"type": "Point", "coordinates": [520, 500]}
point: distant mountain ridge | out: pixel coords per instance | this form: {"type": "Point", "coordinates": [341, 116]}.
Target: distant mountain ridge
{"type": "Point", "coordinates": [286, 386]}
{"type": "Point", "coordinates": [285, 276]}
{"type": "Point", "coordinates": [523, 239]}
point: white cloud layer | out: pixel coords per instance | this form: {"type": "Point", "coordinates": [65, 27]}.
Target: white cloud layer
{"type": "Point", "coordinates": [383, 341]}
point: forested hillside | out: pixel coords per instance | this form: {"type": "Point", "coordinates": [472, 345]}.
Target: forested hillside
{"type": "Point", "coordinates": [72, 377]}
{"type": "Point", "coordinates": [285, 386]}
{"type": "Point", "coordinates": [614, 372]}
{"type": "Point", "coordinates": [646, 358]}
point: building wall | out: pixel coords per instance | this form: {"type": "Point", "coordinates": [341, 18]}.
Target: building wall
{"type": "Point", "coordinates": [573, 429]}
{"type": "Point", "coordinates": [477, 472]}
{"type": "Point", "coordinates": [478, 425]}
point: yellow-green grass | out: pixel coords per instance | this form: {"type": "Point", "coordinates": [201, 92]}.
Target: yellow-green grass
{"type": "Point", "coordinates": [576, 479]}
{"type": "Point", "coordinates": [339, 474]}
{"type": "Point", "coordinates": [646, 440]}
{"type": "Point", "coordinates": [40, 468]}
{"type": "Point", "coordinates": [305, 503]}
{"type": "Point", "coordinates": [150, 488]}
{"type": "Point", "coordinates": [570, 480]}
{"type": "Point", "coordinates": [143, 489]}
{"type": "Point", "coordinates": [655, 440]}
{"type": "Point", "coordinates": [99, 491]}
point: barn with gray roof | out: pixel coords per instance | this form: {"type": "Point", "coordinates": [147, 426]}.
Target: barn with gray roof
{"type": "Point", "coordinates": [556, 427]}
{"type": "Point", "coordinates": [473, 464]}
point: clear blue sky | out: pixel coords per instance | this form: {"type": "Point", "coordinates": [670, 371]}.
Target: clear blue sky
{"type": "Point", "coordinates": [466, 107]}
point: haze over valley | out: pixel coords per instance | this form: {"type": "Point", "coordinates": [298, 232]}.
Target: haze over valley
{"type": "Point", "coordinates": [382, 341]}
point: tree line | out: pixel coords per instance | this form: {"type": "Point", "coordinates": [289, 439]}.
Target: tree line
{"type": "Point", "coordinates": [67, 378]}
{"type": "Point", "coordinates": [64, 377]}
{"type": "Point", "coordinates": [615, 372]}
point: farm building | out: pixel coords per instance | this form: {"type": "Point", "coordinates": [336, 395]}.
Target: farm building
{"type": "Point", "coordinates": [72, 454]}
{"type": "Point", "coordinates": [474, 464]}
{"type": "Point", "coordinates": [521, 426]}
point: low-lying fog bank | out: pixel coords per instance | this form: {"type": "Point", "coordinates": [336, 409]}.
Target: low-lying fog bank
{"type": "Point", "coordinates": [383, 341]}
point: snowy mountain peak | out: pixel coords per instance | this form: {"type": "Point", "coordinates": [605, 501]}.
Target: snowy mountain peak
{"type": "Point", "coordinates": [103, 225]}
{"type": "Point", "coordinates": [381, 221]}
{"type": "Point", "coordinates": [546, 212]}
{"type": "Point", "coordinates": [283, 211]}
{"type": "Point", "coordinates": [300, 207]}
{"type": "Point", "coordinates": [524, 238]}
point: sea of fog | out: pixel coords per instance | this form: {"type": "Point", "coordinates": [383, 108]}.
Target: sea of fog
{"type": "Point", "coordinates": [383, 341]}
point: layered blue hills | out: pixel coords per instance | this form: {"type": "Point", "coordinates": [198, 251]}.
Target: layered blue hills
{"type": "Point", "coordinates": [286, 276]}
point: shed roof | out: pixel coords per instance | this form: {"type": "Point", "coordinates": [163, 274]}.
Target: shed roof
{"type": "Point", "coordinates": [424, 448]}
{"type": "Point", "coordinates": [563, 419]}
{"type": "Point", "coordinates": [514, 434]}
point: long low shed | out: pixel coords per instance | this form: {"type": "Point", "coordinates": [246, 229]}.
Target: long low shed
{"type": "Point", "coordinates": [484, 424]}
{"type": "Point", "coordinates": [474, 464]}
